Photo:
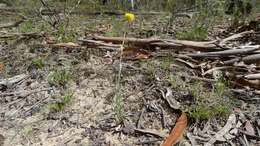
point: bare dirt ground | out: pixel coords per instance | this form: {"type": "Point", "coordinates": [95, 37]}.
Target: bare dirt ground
{"type": "Point", "coordinates": [28, 116]}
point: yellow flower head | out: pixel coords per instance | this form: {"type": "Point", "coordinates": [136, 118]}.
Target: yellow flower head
{"type": "Point", "coordinates": [130, 17]}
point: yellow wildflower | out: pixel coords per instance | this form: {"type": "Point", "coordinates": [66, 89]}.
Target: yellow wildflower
{"type": "Point", "coordinates": [130, 17]}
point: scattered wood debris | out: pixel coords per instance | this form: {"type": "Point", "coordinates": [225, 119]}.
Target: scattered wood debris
{"type": "Point", "coordinates": [221, 135]}
{"type": "Point", "coordinates": [225, 55]}
{"type": "Point", "coordinates": [163, 43]}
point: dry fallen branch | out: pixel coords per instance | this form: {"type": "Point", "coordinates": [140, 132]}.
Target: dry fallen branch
{"type": "Point", "coordinates": [253, 76]}
{"type": "Point", "coordinates": [235, 36]}
{"type": "Point", "coordinates": [216, 68]}
{"type": "Point", "coordinates": [251, 58]}
{"type": "Point", "coordinates": [11, 81]}
{"type": "Point", "coordinates": [255, 58]}
{"type": "Point", "coordinates": [164, 43]}
{"type": "Point", "coordinates": [177, 44]}
{"type": "Point", "coordinates": [24, 93]}
{"type": "Point", "coordinates": [151, 132]}
{"type": "Point", "coordinates": [226, 53]}
{"type": "Point", "coordinates": [101, 44]}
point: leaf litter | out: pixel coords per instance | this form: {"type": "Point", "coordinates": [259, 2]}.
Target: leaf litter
{"type": "Point", "coordinates": [89, 118]}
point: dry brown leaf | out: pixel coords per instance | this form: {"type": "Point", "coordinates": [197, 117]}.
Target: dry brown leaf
{"type": "Point", "coordinates": [134, 54]}
{"type": "Point", "coordinates": [177, 132]}
{"type": "Point", "coordinates": [249, 129]}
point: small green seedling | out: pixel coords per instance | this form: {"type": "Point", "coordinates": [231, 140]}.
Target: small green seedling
{"type": "Point", "coordinates": [119, 107]}
{"type": "Point", "coordinates": [38, 63]}
{"type": "Point", "coordinates": [59, 106]}
{"type": "Point", "coordinates": [59, 77]}
{"type": "Point", "coordinates": [220, 87]}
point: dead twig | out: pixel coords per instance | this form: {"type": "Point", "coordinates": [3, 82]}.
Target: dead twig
{"type": "Point", "coordinates": [11, 81]}
{"type": "Point", "coordinates": [235, 36]}
{"type": "Point", "coordinates": [216, 68]}
{"type": "Point", "coordinates": [152, 132]}
{"type": "Point", "coordinates": [226, 53]}
{"type": "Point", "coordinates": [24, 93]}
{"type": "Point", "coordinates": [140, 118]}
{"type": "Point", "coordinates": [54, 20]}
{"type": "Point", "coordinates": [199, 78]}
{"type": "Point", "coordinates": [253, 76]}
{"type": "Point", "coordinates": [11, 24]}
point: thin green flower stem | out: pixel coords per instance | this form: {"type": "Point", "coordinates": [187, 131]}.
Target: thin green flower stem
{"type": "Point", "coordinates": [120, 64]}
